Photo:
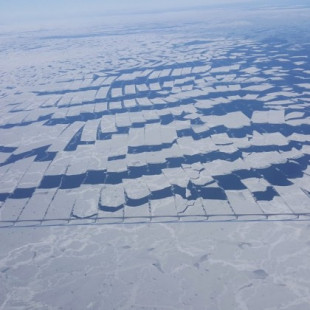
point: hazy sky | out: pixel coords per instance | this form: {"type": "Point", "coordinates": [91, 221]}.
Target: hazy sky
{"type": "Point", "coordinates": [28, 9]}
{"type": "Point", "coordinates": [19, 11]}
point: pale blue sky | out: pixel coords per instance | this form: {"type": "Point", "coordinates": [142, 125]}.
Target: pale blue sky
{"type": "Point", "coordinates": [12, 11]}
{"type": "Point", "coordinates": [15, 9]}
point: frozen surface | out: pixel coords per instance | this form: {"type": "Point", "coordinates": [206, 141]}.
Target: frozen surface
{"type": "Point", "coordinates": [157, 266]}
{"type": "Point", "coordinates": [224, 131]}
{"type": "Point", "coordinates": [146, 132]}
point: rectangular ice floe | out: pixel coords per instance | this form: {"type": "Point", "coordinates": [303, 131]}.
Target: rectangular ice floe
{"type": "Point", "coordinates": [12, 208]}
{"type": "Point", "coordinates": [142, 87]}
{"type": "Point", "coordinates": [136, 191]}
{"type": "Point", "coordinates": [304, 85]}
{"type": "Point", "coordinates": [60, 208]}
{"type": "Point", "coordinates": [276, 208]}
{"type": "Point", "coordinates": [250, 70]}
{"type": "Point", "coordinates": [136, 137]}
{"type": "Point", "coordinates": [100, 149]}
{"type": "Point", "coordinates": [152, 134]}
{"type": "Point", "coordinates": [111, 204]}
{"type": "Point", "coordinates": [100, 107]}
{"type": "Point", "coordinates": [122, 120]}
{"type": "Point", "coordinates": [154, 75]}
{"type": "Point", "coordinates": [119, 145]}
{"type": "Point", "coordinates": [150, 115]}
{"type": "Point", "coordinates": [218, 209]}
{"type": "Point", "coordinates": [176, 176]}
{"type": "Point", "coordinates": [187, 145]}
{"type": "Point", "coordinates": [271, 117]}
{"type": "Point", "coordinates": [165, 72]}
{"type": "Point", "coordinates": [98, 81]}
{"type": "Point", "coordinates": [37, 205]}
{"type": "Point", "coordinates": [13, 174]}
{"type": "Point", "coordinates": [102, 92]}
{"type": "Point", "coordinates": [255, 184]}
{"type": "Point", "coordinates": [294, 115]}
{"type": "Point", "coordinates": [266, 139]}
{"type": "Point", "coordinates": [65, 137]}
{"type": "Point", "coordinates": [168, 84]}
{"type": "Point", "coordinates": [223, 167]}
{"type": "Point", "coordinates": [243, 203]}
{"type": "Point", "coordinates": [112, 197]}
{"type": "Point", "coordinates": [88, 108]}
{"type": "Point", "coordinates": [176, 72]}
{"type": "Point", "coordinates": [233, 120]}
{"type": "Point", "coordinates": [109, 79]}
{"type": "Point", "coordinates": [203, 178]}
{"type": "Point", "coordinates": [136, 118]}
{"type": "Point", "coordinates": [156, 157]}
{"type": "Point", "coordinates": [163, 209]}
{"type": "Point", "coordinates": [201, 69]}
{"type": "Point", "coordinates": [221, 139]}
{"type": "Point", "coordinates": [107, 124]}
{"type": "Point", "coordinates": [158, 102]}
{"type": "Point", "coordinates": [296, 199]}
{"type": "Point", "coordinates": [186, 70]}
{"type": "Point", "coordinates": [115, 105]}
{"type": "Point", "coordinates": [65, 100]}
{"type": "Point", "coordinates": [79, 160]}
{"type": "Point", "coordinates": [89, 133]}
{"type": "Point", "coordinates": [117, 166]}
{"type": "Point", "coordinates": [60, 113]}
{"type": "Point", "coordinates": [158, 185]}
{"type": "Point", "coordinates": [136, 160]}
{"type": "Point", "coordinates": [154, 86]}
{"type": "Point", "coordinates": [116, 92]}
{"type": "Point", "coordinates": [198, 129]}
{"type": "Point", "coordinates": [130, 103]}
{"type": "Point", "coordinates": [83, 97]}
{"type": "Point", "coordinates": [258, 88]}
{"type": "Point", "coordinates": [190, 210]}
{"type": "Point", "coordinates": [4, 157]}
{"type": "Point", "coordinates": [86, 202]}
{"type": "Point", "coordinates": [144, 102]}
{"type": "Point", "coordinates": [304, 182]}
{"type": "Point", "coordinates": [33, 175]}
{"type": "Point", "coordinates": [60, 164]}
{"type": "Point", "coordinates": [260, 117]}
{"type": "Point", "coordinates": [225, 69]}
{"type": "Point", "coordinates": [299, 122]}
{"type": "Point", "coordinates": [263, 159]}
{"type": "Point", "coordinates": [137, 214]}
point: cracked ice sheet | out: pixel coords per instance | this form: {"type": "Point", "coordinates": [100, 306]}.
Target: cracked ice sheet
{"type": "Point", "coordinates": [233, 120]}
{"type": "Point", "coordinates": [33, 175]}
{"type": "Point", "coordinates": [135, 189]}
{"type": "Point", "coordinates": [60, 208]}
{"type": "Point", "coordinates": [189, 209]}
{"type": "Point", "coordinates": [37, 205]}
{"type": "Point", "coordinates": [86, 203]}
{"type": "Point", "coordinates": [112, 196]}
{"type": "Point", "coordinates": [157, 266]}
{"type": "Point", "coordinates": [271, 117]}
{"type": "Point", "coordinates": [163, 209]}
{"type": "Point", "coordinates": [256, 184]}
{"type": "Point", "coordinates": [13, 174]}
{"type": "Point", "coordinates": [12, 208]}
{"type": "Point", "coordinates": [268, 139]}
{"type": "Point", "coordinates": [243, 203]}
{"type": "Point", "coordinates": [295, 198]}
{"type": "Point", "coordinates": [263, 160]}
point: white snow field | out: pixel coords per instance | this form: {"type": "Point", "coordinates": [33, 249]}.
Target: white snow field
{"type": "Point", "coordinates": [157, 165]}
